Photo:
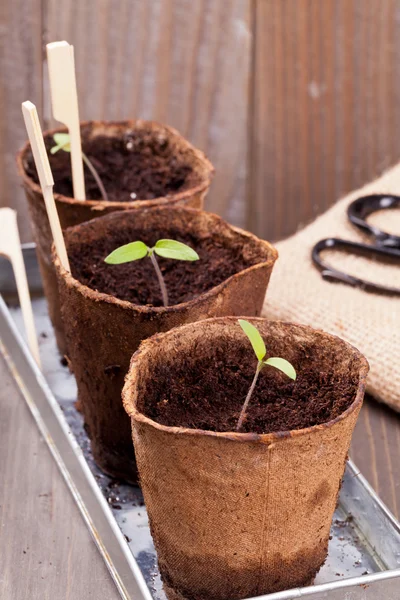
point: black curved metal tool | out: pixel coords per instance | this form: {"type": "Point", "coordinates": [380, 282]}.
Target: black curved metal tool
{"type": "Point", "coordinates": [330, 274]}
{"type": "Point", "coordinates": [386, 246]}
{"type": "Point", "coordinates": [359, 210]}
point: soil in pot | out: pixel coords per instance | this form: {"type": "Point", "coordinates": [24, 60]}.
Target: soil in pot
{"type": "Point", "coordinates": [137, 282]}
{"type": "Point", "coordinates": [140, 164]}
{"type": "Point", "coordinates": [237, 515]}
{"type": "Point", "coordinates": [208, 391]}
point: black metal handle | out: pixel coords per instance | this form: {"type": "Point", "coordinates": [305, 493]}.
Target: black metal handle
{"type": "Point", "coordinates": [331, 274]}
{"type": "Point", "coordinates": [360, 209]}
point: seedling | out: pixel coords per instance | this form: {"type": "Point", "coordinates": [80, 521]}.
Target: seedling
{"type": "Point", "coordinates": [165, 248]}
{"type": "Point", "coordinates": [260, 351]}
{"type": "Point", "coordinates": [62, 142]}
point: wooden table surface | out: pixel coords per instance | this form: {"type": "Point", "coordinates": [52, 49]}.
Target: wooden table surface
{"type": "Point", "coordinates": [46, 552]}
{"type": "Point", "coordinates": [376, 451]}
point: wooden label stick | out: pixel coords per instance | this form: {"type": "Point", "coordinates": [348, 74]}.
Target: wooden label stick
{"type": "Point", "coordinates": [10, 247]}
{"type": "Point", "coordinates": [64, 100]}
{"type": "Point", "coordinates": [45, 177]}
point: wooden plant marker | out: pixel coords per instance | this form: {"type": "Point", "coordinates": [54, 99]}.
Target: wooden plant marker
{"type": "Point", "coordinates": [64, 100]}
{"type": "Point", "coordinates": [45, 177]}
{"type": "Point", "coordinates": [10, 247]}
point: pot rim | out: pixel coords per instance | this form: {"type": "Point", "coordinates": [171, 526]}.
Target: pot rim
{"type": "Point", "coordinates": [175, 308]}
{"type": "Point", "coordinates": [129, 399]}
{"type": "Point", "coordinates": [102, 204]}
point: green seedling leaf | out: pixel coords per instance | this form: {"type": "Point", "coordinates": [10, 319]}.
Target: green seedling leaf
{"type": "Point", "coordinates": [62, 143]}
{"type": "Point", "coordinates": [255, 338]}
{"type": "Point", "coordinates": [127, 253]}
{"type": "Point", "coordinates": [176, 250]}
{"type": "Point", "coordinates": [282, 365]}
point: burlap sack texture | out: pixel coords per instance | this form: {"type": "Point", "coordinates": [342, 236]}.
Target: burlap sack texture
{"type": "Point", "coordinates": [73, 212]}
{"type": "Point", "coordinates": [237, 515]}
{"type": "Point", "coordinates": [371, 322]}
{"type": "Point", "coordinates": [103, 332]}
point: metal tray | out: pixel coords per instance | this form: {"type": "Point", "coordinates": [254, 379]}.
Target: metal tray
{"type": "Point", "coordinates": [364, 551]}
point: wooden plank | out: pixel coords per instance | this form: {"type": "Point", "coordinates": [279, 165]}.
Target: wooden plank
{"type": "Point", "coordinates": [376, 449]}
{"type": "Point", "coordinates": [183, 63]}
{"type": "Point", "coordinates": [46, 552]}
{"type": "Point", "coordinates": [326, 90]}
{"type": "Point", "coordinates": [21, 77]}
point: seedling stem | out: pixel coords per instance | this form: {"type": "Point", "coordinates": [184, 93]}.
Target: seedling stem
{"type": "Point", "coordinates": [249, 395]}
{"type": "Point", "coordinates": [96, 176]}
{"type": "Point", "coordinates": [161, 281]}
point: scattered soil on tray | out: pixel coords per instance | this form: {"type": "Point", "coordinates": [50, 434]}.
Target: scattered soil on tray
{"type": "Point", "coordinates": [141, 165]}
{"type": "Point", "coordinates": [207, 392]}
{"type": "Point", "coordinates": [137, 281]}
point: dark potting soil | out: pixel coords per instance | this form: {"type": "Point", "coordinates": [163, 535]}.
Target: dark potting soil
{"type": "Point", "coordinates": [141, 165]}
{"type": "Point", "coordinates": [208, 392]}
{"type": "Point", "coordinates": [137, 281]}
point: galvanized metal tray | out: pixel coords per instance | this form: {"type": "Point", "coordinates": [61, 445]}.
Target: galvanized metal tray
{"type": "Point", "coordinates": [364, 550]}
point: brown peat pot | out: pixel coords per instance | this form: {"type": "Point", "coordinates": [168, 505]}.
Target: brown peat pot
{"type": "Point", "coordinates": [235, 515]}
{"type": "Point", "coordinates": [141, 163]}
{"type": "Point", "coordinates": [109, 309]}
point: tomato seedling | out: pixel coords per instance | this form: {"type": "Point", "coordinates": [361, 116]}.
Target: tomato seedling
{"type": "Point", "coordinates": [260, 351]}
{"type": "Point", "coordinates": [165, 248]}
{"type": "Point", "coordinates": [63, 143]}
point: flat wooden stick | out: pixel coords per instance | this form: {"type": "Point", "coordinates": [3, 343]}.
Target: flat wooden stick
{"type": "Point", "coordinates": [64, 100]}
{"type": "Point", "coordinates": [45, 177]}
{"type": "Point", "coordinates": [10, 247]}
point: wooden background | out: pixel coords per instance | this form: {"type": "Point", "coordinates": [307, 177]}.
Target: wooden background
{"type": "Point", "coordinates": [295, 101]}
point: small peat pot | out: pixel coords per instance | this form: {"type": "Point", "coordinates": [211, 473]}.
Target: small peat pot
{"type": "Point", "coordinates": [140, 163]}
{"type": "Point", "coordinates": [109, 309]}
{"type": "Point", "coordinates": [236, 515]}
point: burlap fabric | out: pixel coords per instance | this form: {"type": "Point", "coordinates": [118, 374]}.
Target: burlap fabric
{"type": "Point", "coordinates": [236, 515]}
{"type": "Point", "coordinates": [73, 212]}
{"type": "Point", "coordinates": [103, 332]}
{"type": "Point", "coordinates": [369, 321]}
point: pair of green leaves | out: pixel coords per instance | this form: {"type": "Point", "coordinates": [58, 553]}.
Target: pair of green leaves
{"type": "Point", "coordinates": [165, 248]}
{"type": "Point", "coordinates": [62, 143]}
{"type": "Point", "coordinates": [260, 351]}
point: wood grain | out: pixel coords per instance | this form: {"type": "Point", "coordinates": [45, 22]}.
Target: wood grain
{"type": "Point", "coordinates": [296, 101]}
{"type": "Point", "coordinates": [325, 105]}
{"type": "Point", "coordinates": [46, 552]}
{"type": "Point", "coordinates": [20, 80]}
{"type": "Point", "coordinates": [183, 63]}
{"type": "Point", "coordinates": [376, 451]}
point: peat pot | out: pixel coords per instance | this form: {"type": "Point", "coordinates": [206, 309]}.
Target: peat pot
{"type": "Point", "coordinates": [237, 515]}
{"type": "Point", "coordinates": [141, 163]}
{"type": "Point", "coordinates": [109, 309]}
